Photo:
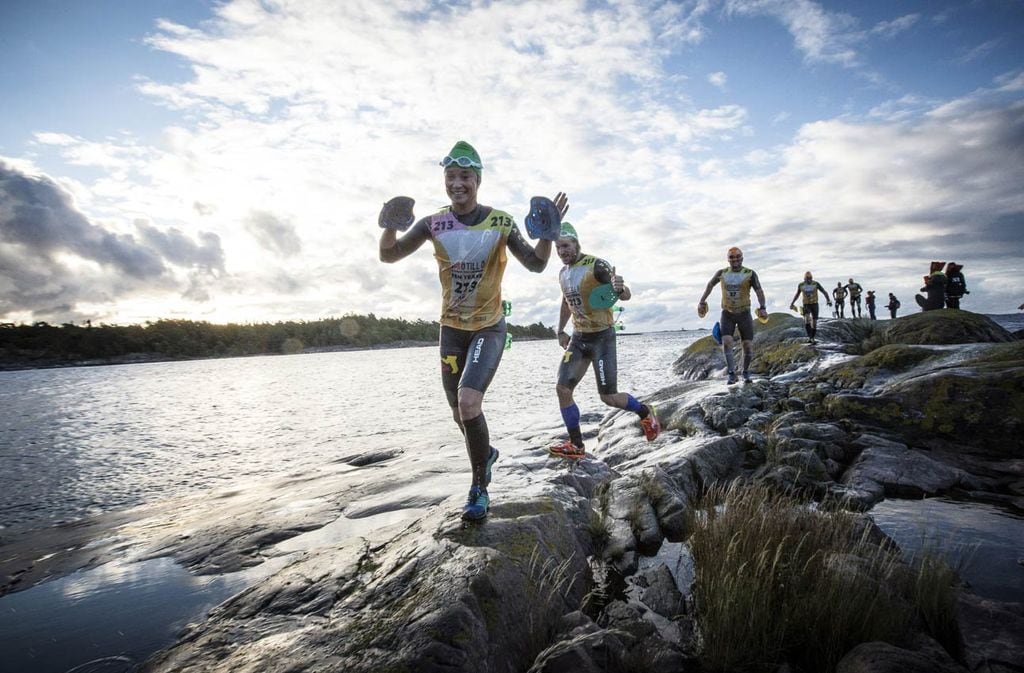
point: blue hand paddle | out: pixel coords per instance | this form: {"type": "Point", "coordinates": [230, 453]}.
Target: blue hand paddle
{"type": "Point", "coordinates": [716, 333]}
{"type": "Point", "coordinates": [543, 220]}
{"type": "Point", "coordinates": [602, 296]}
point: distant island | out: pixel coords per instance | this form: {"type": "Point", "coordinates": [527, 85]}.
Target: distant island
{"type": "Point", "coordinates": [45, 345]}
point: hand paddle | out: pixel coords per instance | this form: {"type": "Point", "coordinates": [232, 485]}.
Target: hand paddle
{"type": "Point", "coordinates": [602, 296]}
{"type": "Point", "coordinates": [543, 220]}
{"type": "Point", "coordinates": [397, 214]}
{"type": "Point", "coordinates": [716, 333]}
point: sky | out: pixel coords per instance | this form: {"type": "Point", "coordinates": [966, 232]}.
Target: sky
{"type": "Point", "coordinates": [226, 161]}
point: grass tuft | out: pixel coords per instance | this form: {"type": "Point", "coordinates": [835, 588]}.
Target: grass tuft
{"type": "Point", "coordinates": [777, 580]}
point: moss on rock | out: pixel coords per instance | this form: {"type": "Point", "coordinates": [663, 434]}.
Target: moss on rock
{"type": "Point", "coordinates": [946, 326]}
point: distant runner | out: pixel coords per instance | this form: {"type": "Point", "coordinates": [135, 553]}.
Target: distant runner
{"type": "Point", "coordinates": [737, 281]}
{"type": "Point", "coordinates": [469, 244]}
{"type": "Point", "coordinates": [839, 294]}
{"type": "Point", "coordinates": [589, 288]}
{"type": "Point", "coordinates": [854, 289]}
{"type": "Point", "coordinates": [810, 289]}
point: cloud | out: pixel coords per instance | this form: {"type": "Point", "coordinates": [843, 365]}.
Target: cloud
{"type": "Point", "coordinates": [718, 79]}
{"type": "Point", "coordinates": [890, 29]}
{"type": "Point", "coordinates": [55, 257]}
{"type": "Point", "coordinates": [179, 249]}
{"type": "Point", "coordinates": [821, 36]}
{"type": "Point", "coordinates": [980, 51]}
{"type": "Point", "coordinates": [274, 234]}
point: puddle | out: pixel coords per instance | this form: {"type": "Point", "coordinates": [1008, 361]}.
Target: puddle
{"type": "Point", "coordinates": [987, 542]}
{"type": "Point", "coordinates": [111, 618]}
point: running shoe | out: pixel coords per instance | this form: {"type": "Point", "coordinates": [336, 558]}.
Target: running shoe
{"type": "Point", "coordinates": [492, 458]}
{"type": "Point", "coordinates": [746, 377]}
{"type": "Point", "coordinates": [566, 449]}
{"type": "Point", "coordinates": [732, 378]}
{"type": "Point", "coordinates": [477, 504]}
{"type": "Point", "coordinates": [651, 425]}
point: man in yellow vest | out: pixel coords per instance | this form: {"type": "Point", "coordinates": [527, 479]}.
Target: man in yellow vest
{"type": "Point", "coordinates": [737, 282]}
{"type": "Point", "coordinates": [590, 287]}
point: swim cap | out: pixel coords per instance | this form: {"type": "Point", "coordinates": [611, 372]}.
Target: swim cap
{"type": "Point", "coordinates": [568, 231]}
{"type": "Point", "coordinates": [464, 149]}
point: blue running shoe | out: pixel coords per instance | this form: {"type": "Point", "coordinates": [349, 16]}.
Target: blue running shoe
{"type": "Point", "coordinates": [477, 504]}
{"type": "Point", "coordinates": [492, 458]}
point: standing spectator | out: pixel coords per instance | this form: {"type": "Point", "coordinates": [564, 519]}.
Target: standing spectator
{"type": "Point", "coordinates": [956, 285]}
{"type": "Point", "coordinates": [893, 305]}
{"type": "Point", "coordinates": [934, 289]}
{"type": "Point", "coordinates": [869, 301]}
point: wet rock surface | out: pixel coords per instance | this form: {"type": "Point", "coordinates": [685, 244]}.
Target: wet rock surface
{"type": "Point", "coordinates": [378, 572]}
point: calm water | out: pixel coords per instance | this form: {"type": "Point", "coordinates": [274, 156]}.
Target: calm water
{"type": "Point", "coordinates": [80, 441]}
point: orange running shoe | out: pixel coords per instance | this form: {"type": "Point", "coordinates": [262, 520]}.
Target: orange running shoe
{"type": "Point", "coordinates": [566, 449]}
{"type": "Point", "coordinates": [651, 426]}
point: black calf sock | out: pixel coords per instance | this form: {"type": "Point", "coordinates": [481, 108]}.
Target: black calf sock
{"type": "Point", "coordinates": [478, 446]}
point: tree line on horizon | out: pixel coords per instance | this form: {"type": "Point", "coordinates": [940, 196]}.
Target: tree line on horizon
{"type": "Point", "coordinates": [189, 338]}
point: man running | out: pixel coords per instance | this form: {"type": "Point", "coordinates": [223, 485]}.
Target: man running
{"type": "Point", "coordinates": [854, 289]}
{"type": "Point", "coordinates": [589, 288]}
{"type": "Point", "coordinates": [737, 281]}
{"type": "Point", "coordinates": [839, 294]}
{"type": "Point", "coordinates": [809, 289]}
{"type": "Point", "coordinates": [469, 243]}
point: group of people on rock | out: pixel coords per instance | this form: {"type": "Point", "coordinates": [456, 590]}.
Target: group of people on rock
{"type": "Point", "coordinates": [470, 241]}
{"type": "Point", "coordinates": [942, 289]}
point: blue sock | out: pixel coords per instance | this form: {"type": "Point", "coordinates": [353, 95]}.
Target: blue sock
{"type": "Point", "coordinates": [571, 416]}
{"type": "Point", "coordinates": [632, 404]}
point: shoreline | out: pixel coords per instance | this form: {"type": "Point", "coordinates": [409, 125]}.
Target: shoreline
{"type": "Point", "coordinates": [149, 358]}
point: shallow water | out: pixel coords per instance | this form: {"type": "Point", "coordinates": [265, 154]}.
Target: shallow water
{"type": "Point", "coordinates": [80, 441]}
{"type": "Point", "coordinates": [984, 542]}
{"type": "Point", "coordinates": [111, 618]}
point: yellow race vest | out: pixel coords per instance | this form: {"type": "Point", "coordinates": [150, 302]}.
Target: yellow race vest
{"type": "Point", "coordinates": [470, 264]}
{"type": "Point", "coordinates": [578, 281]}
{"type": "Point", "coordinates": [736, 289]}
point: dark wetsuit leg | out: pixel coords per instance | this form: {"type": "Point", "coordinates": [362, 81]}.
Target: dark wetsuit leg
{"type": "Point", "coordinates": [470, 359]}
{"type": "Point", "coordinates": [743, 320]}
{"type": "Point", "coordinates": [596, 348]}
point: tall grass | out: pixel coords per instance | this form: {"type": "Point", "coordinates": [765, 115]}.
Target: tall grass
{"type": "Point", "coordinates": [777, 580]}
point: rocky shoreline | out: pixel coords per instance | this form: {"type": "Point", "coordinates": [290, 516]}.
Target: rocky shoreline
{"type": "Point", "coordinates": [929, 404]}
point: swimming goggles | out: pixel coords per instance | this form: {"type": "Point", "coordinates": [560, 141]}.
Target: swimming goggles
{"type": "Point", "coordinates": [464, 162]}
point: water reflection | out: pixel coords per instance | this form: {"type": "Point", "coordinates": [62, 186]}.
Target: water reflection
{"type": "Point", "coordinates": [109, 618]}
{"type": "Point", "coordinates": [960, 531]}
